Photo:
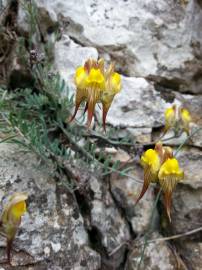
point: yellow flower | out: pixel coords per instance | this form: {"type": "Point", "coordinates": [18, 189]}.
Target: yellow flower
{"type": "Point", "coordinates": [170, 117]}
{"type": "Point", "coordinates": [151, 163]}
{"type": "Point", "coordinates": [11, 218]}
{"type": "Point", "coordinates": [113, 86]}
{"type": "Point", "coordinates": [185, 118]}
{"type": "Point", "coordinates": [169, 175]}
{"type": "Point", "coordinates": [151, 159]}
{"type": "Point", "coordinates": [161, 167]}
{"type": "Point", "coordinates": [80, 77]}
{"type": "Point", "coordinates": [96, 85]}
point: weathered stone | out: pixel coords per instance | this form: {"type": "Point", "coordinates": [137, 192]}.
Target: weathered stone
{"type": "Point", "coordinates": [126, 191]}
{"type": "Point", "coordinates": [191, 161]}
{"type": "Point", "coordinates": [107, 226]}
{"type": "Point", "coordinates": [186, 211]}
{"type": "Point", "coordinates": [117, 154]}
{"type": "Point", "coordinates": [52, 234]}
{"type": "Point", "coordinates": [157, 256]}
{"type": "Point", "coordinates": [107, 220]}
{"type": "Point", "coordinates": [193, 104]}
{"type": "Point", "coordinates": [187, 197]}
{"type": "Point", "coordinates": [138, 105]}
{"type": "Point", "coordinates": [139, 40]}
{"type": "Point", "coordinates": [191, 252]}
{"type": "Point", "coordinates": [142, 135]}
{"type": "Point", "coordinates": [3, 4]}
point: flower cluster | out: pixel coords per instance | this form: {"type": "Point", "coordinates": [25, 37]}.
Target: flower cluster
{"type": "Point", "coordinates": [161, 167]}
{"type": "Point", "coordinates": [10, 220]}
{"type": "Point", "coordinates": [177, 119]}
{"type": "Point", "coordinates": [95, 84]}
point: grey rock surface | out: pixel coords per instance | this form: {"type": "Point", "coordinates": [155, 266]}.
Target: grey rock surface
{"type": "Point", "coordinates": [158, 255]}
{"type": "Point", "coordinates": [126, 191]}
{"type": "Point", "coordinates": [137, 105]}
{"type": "Point", "coordinates": [144, 38]}
{"type": "Point", "coordinates": [52, 234]}
{"type": "Point", "coordinates": [192, 251]}
{"type": "Point", "coordinates": [107, 226]}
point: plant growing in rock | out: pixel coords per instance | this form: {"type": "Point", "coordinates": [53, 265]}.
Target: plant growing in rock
{"type": "Point", "coordinates": [36, 118]}
{"type": "Point", "coordinates": [10, 219]}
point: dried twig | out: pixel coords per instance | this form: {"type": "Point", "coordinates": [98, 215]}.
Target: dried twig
{"type": "Point", "coordinates": [176, 236]}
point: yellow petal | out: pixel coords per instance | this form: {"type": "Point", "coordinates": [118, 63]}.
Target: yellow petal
{"type": "Point", "coordinates": [113, 86]}
{"type": "Point", "coordinates": [14, 209]}
{"type": "Point", "coordinates": [116, 82]}
{"type": "Point", "coordinates": [18, 209]}
{"type": "Point", "coordinates": [170, 174]}
{"type": "Point", "coordinates": [95, 79]}
{"type": "Point", "coordinates": [170, 112]}
{"type": "Point", "coordinates": [185, 115]}
{"type": "Point", "coordinates": [151, 158]}
{"type": "Point", "coordinates": [170, 116]}
{"type": "Point", "coordinates": [170, 166]}
{"type": "Point", "coordinates": [80, 78]}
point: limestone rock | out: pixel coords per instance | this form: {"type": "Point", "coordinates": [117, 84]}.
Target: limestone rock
{"type": "Point", "coordinates": [191, 161]}
{"type": "Point", "coordinates": [106, 225]}
{"type": "Point", "coordinates": [191, 252]}
{"type": "Point", "coordinates": [157, 255]}
{"type": "Point", "coordinates": [137, 105]}
{"type": "Point", "coordinates": [52, 234]}
{"type": "Point", "coordinates": [186, 210]}
{"type": "Point", "coordinates": [126, 191]}
{"type": "Point", "coordinates": [187, 197]}
{"type": "Point", "coordinates": [138, 35]}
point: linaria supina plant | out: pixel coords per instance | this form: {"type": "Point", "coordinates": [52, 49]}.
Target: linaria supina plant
{"type": "Point", "coordinates": [161, 167]}
{"type": "Point", "coordinates": [177, 119]}
{"type": "Point", "coordinates": [10, 220]}
{"type": "Point", "coordinates": [95, 84]}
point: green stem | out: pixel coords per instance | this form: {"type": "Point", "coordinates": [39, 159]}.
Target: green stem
{"type": "Point", "coordinates": [8, 138]}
